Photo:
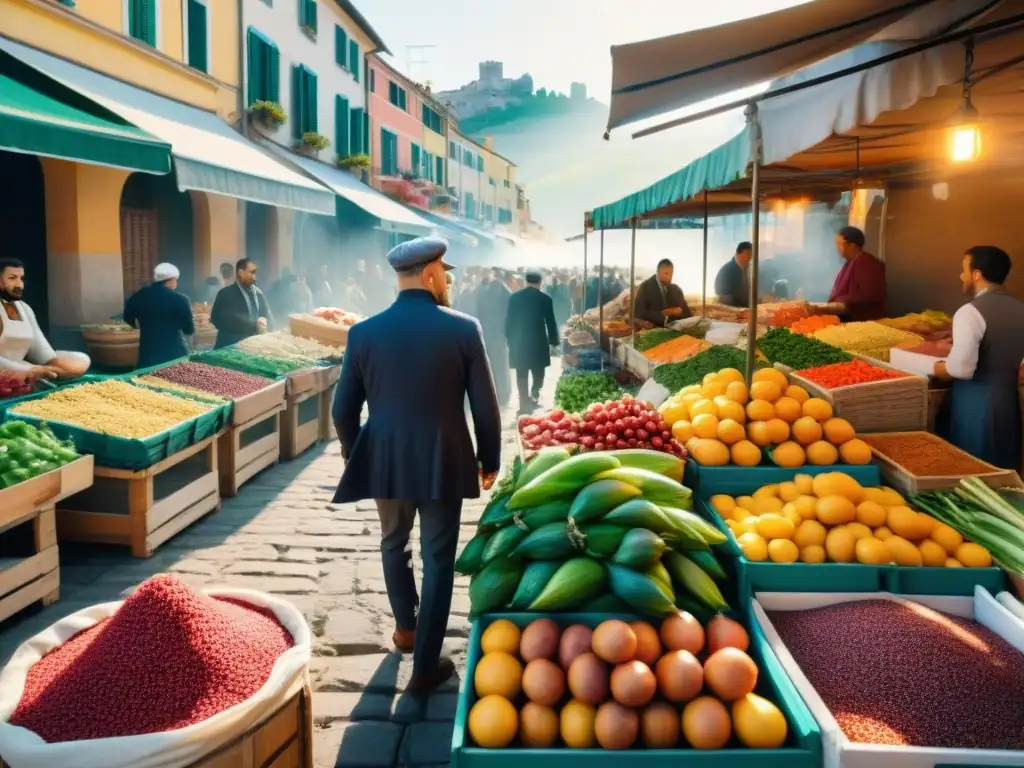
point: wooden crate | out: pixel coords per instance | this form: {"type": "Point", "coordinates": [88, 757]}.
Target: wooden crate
{"type": "Point", "coordinates": [245, 409]}
{"type": "Point", "coordinates": [239, 461]}
{"type": "Point", "coordinates": [903, 480]}
{"type": "Point", "coordinates": [892, 405]}
{"type": "Point", "coordinates": [36, 576]}
{"type": "Point", "coordinates": [327, 430]}
{"type": "Point", "coordinates": [123, 507]}
{"type": "Point", "coordinates": [303, 380]}
{"type": "Point", "coordinates": [298, 435]}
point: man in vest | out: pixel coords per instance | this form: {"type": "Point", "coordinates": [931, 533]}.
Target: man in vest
{"type": "Point", "coordinates": [983, 414]}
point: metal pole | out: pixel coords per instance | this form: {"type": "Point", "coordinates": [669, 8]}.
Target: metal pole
{"type": "Point", "coordinates": [600, 301]}
{"type": "Point", "coordinates": [583, 297]}
{"type": "Point", "coordinates": [755, 206]}
{"type": "Point", "coordinates": [704, 272]}
{"type": "Point", "coordinates": [632, 284]}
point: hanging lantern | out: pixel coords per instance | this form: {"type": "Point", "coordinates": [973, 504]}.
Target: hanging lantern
{"type": "Point", "coordinates": [963, 134]}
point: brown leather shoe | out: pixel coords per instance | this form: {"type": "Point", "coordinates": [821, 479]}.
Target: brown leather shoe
{"type": "Point", "coordinates": [404, 639]}
{"type": "Point", "coordinates": [426, 682]}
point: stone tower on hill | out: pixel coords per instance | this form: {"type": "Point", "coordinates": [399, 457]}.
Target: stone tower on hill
{"type": "Point", "coordinates": [492, 90]}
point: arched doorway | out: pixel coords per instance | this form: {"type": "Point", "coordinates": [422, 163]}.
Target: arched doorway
{"type": "Point", "coordinates": [23, 222]}
{"type": "Point", "coordinates": [156, 226]}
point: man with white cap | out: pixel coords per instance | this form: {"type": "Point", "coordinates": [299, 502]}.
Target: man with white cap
{"type": "Point", "coordinates": [163, 317]}
{"type": "Point", "coordinates": [414, 364]}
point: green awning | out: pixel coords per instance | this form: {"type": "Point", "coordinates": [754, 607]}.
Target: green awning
{"type": "Point", "coordinates": [715, 170]}
{"type": "Point", "coordinates": [39, 117]}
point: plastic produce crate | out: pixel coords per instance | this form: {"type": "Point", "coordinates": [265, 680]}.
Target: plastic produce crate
{"type": "Point", "coordinates": [801, 750]}
{"type": "Point", "coordinates": [735, 481]}
{"type": "Point", "coordinates": [752, 577]}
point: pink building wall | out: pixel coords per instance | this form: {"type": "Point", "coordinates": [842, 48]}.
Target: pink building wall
{"type": "Point", "coordinates": [407, 124]}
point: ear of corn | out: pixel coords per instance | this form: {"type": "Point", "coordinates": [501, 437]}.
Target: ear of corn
{"type": "Point", "coordinates": [686, 521]}
{"type": "Point", "coordinates": [552, 512]}
{"type": "Point", "coordinates": [660, 573]}
{"type": "Point", "coordinates": [549, 542]}
{"type": "Point", "coordinates": [689, 576]}
{"type": "Point", "coordinates": [640, 513]}
{"type": "Point", "coordinates": [640, 549]}
{"type": "Point", "coordinates": [496, 514]}
{"type": "Point", "coordinates": [541, 463]}
{"type": "Point", "coordinates": [602, 540]}
{"type": "Point", "coordinates": [563, 479]}
{"type": "Point", "coordinates": [503, 542]}
{"type": "Point", "coordinates": [495, 585]}
{"type": "Point", "coordinates": [640, 591]}
{"type": "Point", "coordinates": [657, 488]}
{"type": "Point", "coordinates": [600, 497]}
{"type": "Point", "coordinates": [708, 562]}
{"type": "Point", "coordinates": [471, 559]}
{"type": "Point", "coordinates": [653, 461]}
{"type": "Point", "coordinates": [606, 603]}
{"type": "Point", "coordinates": [576, 582]}
{"type": "Point", "coordinates": [535, 578]}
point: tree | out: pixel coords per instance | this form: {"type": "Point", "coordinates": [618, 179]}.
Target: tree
{"type": "Point", "coordinates": [542, 93]}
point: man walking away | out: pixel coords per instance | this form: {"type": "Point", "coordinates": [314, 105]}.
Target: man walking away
{"type": "Point", "coordinates": [163, 316]}
{"type": "Point", "coordinates": [414, 453]}
{"type": "Point", "coordinates": [531, 332]}
{"type": "Point", "coordinates": [240, 309]}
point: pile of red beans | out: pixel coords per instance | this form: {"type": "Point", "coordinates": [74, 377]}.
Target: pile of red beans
{"type": "Point", "coordinates": [210, 378]}
{"type": "Point", "coordinates": [166, 659]}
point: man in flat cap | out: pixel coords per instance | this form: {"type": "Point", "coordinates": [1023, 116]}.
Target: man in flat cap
{"type": "Point", "coordinates": [163, 317]}
{"type": "Point", "coordinates": [414, 364]}
{"type": "Point", "coordinates": [531, 332]}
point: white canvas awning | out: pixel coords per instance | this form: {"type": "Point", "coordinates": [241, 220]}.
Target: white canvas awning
{"type": "Point", "coordinates": [657, 76]}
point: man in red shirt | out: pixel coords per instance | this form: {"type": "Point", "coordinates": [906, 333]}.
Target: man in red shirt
{"type": "Point", "coordinates": [860, 284]}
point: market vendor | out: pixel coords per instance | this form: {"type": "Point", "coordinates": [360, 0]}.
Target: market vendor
{"type": "Point", "coordinates": [860, 285]}
{"type": "Point", "coordinates": [163, 317]}
{"type": "Point", "coordinates": [23, 347]}
{"type": "Point", "coordinates": [659, 300]}
{"type": "Point", "coordinates": [240, 309]}
{"type": "Point", "coordinates": [982, 414]}
{"type": "Point", "coordinates": [731, 283]}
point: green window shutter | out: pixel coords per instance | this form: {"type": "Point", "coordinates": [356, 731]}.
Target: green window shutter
{"type": "Point", "coordinates": [353, 59]}
{"type": "Point", "coordinates": [142, 21]}
{"type": "Point", "coordinates": [366, 131]}
{"type": "Point", "coordinates": [358, 146]}
{"type": "Point", "coordinates": [312, 15]}
{"type": "Point", "coordinates": [480, 163]}
{"type": "Point", "coordinates": [272, 76]}
{"type": "Point", "coordinates": [312, 107]}
{"type": "Point", "coordinates": [341, 119]}
{"type": "Point", "coordinates": [385, 154]}
{"type": "Point", "coordinates": [439, 173]}
{"type": "Point", "coordinates": [340, 46]}
{"type": "Point", "coordinates": [197, 35]}
{"type": "Point", "coordinates": [416, 159]}
{"type": "Point", "coordinates": [297, 102]}
{"type": "Point", "coordinates": [255, 68]}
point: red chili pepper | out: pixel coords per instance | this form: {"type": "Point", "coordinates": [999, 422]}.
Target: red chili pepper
{"type": "Point", "coordinates": [844, 374]}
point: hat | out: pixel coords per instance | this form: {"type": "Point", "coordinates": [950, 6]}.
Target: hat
{"type": "Point", "coordinates": [417, 253]}
{"type": "Point", "coordinates": [533, 276]}
{"type": "Point", "coordinates": [165, 272]}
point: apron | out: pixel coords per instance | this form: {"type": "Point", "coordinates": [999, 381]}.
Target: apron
{"type": "Point", "coordinates": [17, 336]}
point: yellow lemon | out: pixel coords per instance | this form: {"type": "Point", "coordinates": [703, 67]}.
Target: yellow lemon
{"type": "Point", "coordinates": [788, 491]}
{"type": "Point", "coordinates": [747, 525]}
{"type": "Point", "coordinates": [900, 521]}
{"type": "Point", "coordinates": [923, 525]}
{"type": "Point", "coordinates": [737, 392]}
{"type": "Point", "coordinates": [952, 562]}
{"type": "Point", "coordinates": [731, 376]}
{"type": "Point", "coordinates": [797, 393]}
{"type": "Point", "coordinates": [871, 514]}
{"type": "Point", "coordinates": [871, 551]}
{"type": "Point", "coordinates": [822, 454]}
{"type": "Point", "coordinates": [932, 554]}
{"type": "Point", "coordinates": [765, 390]}
{"type": "Point", "coordinates": [839, 545]}
{"type": "Point", "coordinates": [804, 484]}
{"type": "Point", "coordinates": [783, 551]}
{"type": "Point", "coordinates": [722, 503]}
{"type": "Point", "coordinates": [835, 510]}
{"type": "Point", "coordinates": [775, 376]}
{"type": "Point", "coordinates": [859, 531]}
{"type": "Point", "coordinates": [770, 490]}
{"type": "Point", "coordinates": [787, 409]}
{"type": "Point", "coordinates": [760, 410]}
{"type": "Point", "coordinates": [768, 505]}
{"type": "Point", "coordinates": [882, 533]}
{"type": "Point", "coordinates": [805, 505]}
{"type": "Point", "coordinates": [727, 409]}
{"type": "Point", "coordinates": [809, 533]}
{"type": "Point", "coordinates": [815, 553]}
{"type": "Point", "coordinates": [903, 552]}
{"type": "Point", "coordinates": [973, 555]}
{"type": "Point", "coordinates": [775, 527]}
{"type": "Point", "coordinates": [682, 431]}
{"type": "Point", "coordinates": [730, 431]}
{"type": "Point", "coordinates": [817, 409]}
{"type": "Point", "coordinates": [790, 512]}
{"type": "Point", "coordinates": [754, 548]}
{"type": "Point", "coordinates": [702, 407]}
{"type": "Point", "coordinates": [747, 502]}
{"type": "Point", "coordinates": [745, 454]}
{"type": "Point", "coordinates": [675, 412]}
{"type": "Point", "coordinates": [946, 537]}
{"type": "Point", "coordinates": [705, 425]}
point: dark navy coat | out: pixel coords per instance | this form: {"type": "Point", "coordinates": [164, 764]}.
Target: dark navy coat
{"type": "Point", "coordinates": [164, 319]}
{"type": "Point", "coordinates": [230, 315]}
{"type": "Point", "coordinates": [530, 329]}
{"type": "Point", "coordinates": [413, 365]}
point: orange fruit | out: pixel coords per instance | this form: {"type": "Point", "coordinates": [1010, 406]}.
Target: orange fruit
{"type": "Point", "coordinates": [797, 393]}
{"type": "Point", "coordinates": [705, 425]}
{"type": "Point", "coordinates": [737, 392]}
{"type": "Point", "coordinates": [855, 451]}
{"type": "Point", "coordinates": [702, 407]}
{"type": "Point", "coordinates": [778, 431]}
{"type": "Point", "coordinates": [838, 431]}
{"type": "Point", "coordinates": [729, 409]}
{"type": "Point", "coordinates": [806, 430]}
{"type": "Point", "coordinates": [816, 408]}
{"type": "Point", "coordinates": [758, 434]}
{"type": "Point", "coordinates": [730, 431]}
{"type": "Point", "coordinates": [787, 409]}
{"type": "Point", "coordinates": [775, 376]}
{"type": "Point", "coordinates": [745, 454]}
{"type": "Point", "coordinates": [788, 455]}
{"type": "Point", "coordinates": [730, 375]}
{"type": "Point", "coordinates": [822, 454]}
{"type": "Point", "coordinates": [765, 390]}
{"type": "Point", "coordinates": [760, 410]}
{"type": "Point", "coordinates": [682, 431]}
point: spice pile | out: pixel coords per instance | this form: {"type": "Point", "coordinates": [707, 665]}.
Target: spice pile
{"type": "Point", "coordinates": [113, 407]}
{"type": "Point", "coordinates": [903, 674]}
{"type": "Point", "coordinates": [870, 339]}
{"type": "Point", "coordinates": [284, 346]}
{"type": "Point", "coordinates": [575, 391]}
{"type": "Point", "coordinates": [210, 379]}
{"type": "Point", "coordinates": [813, 323]}
{"type": "Point", "coordinates": [166, 659]}
{"type": "Point", "coordinates": [675, 376]}
{"type": "Point", "coordinates": [926, 455]}
{"type": "Point", "coordinates": [677, 350]}
{"type": "Point", "coordinates": [798, 351]}
{"type": "Point", "coordinates": [27, 451]}
{"type": "Point", "coordinates": [844, 374]}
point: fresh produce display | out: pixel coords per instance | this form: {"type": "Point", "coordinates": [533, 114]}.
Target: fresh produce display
{"type": "Point", "coordinates": [581, 338]}
{"type": "Point", "coordinates": [113, 407]}
{"type": "Point", "coordinates": [844, 374]}
{"type": "Point", "coordinates": [928, 323]}
{"type": "Point", "coordinates": [152, 382]}
{"type": "Point", "coordinates": [926, 455]}
{"type": "Point", "coordinates": [625, 423]}
{"type": "Point", "coordinates": [798, 351]}
{"type": "Point", "coordinates": [720, 421]}
{"type": "Point", "coordinates": [337, 316]}
{"type": "Point", "coordinates": [675, 376]}
{"type": "Point", "coordinates": [211, 379]}
{"type": "Point", "coordinates": [14, 384]}
{"type": "Point", "coordinates": [166, 659]}
{"type": "Point", "coordinates": [991, 518]}
{"type": "Point", "coordinates": [830, 517]}
{"type": "Point", "coordinates": [676, 350]}
{"type": "Point", "coordinates": [782, 314]}
{"type": "Point", "coordinates": [253, 363]}
{"type": "Point", "coordinates": [597, 531]}
{"type": "Point", "coordinates": [813, 323]}
{"type": "Point", "coordinates": [27, 451]}
{"type": "Point", "coordinates": [284, 346]}
{"type": "Point", "coordinates": [925, 678]}
{"type": "Point", "coordinates": [870, 339]}
{"type": "Point", "coordinates": [646, 340]}
{"type": "Point", "coordinates": [621, 685]}
{"type": "Point", "coordinates": [575, 391]}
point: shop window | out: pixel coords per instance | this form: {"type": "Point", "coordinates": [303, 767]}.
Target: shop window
{"type": "Point", "coordinates": [142, 20]}
{"type": "Point", "coordinates": [139, 251]}
{"type": "Point", "coordinates": [197, 34]}
{"type": "Point", "coordinates": [263, 68]}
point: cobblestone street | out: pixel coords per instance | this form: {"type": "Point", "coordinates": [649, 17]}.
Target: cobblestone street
{"type": "Point", "coordinates": [282, 535]}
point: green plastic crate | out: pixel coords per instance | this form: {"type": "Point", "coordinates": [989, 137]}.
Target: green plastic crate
{"type": "Point", "coordinates": [735, 481]}
{"type": "Point", "coordinates": [802, 748]}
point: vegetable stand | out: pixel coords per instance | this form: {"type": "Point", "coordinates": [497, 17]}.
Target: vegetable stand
{"type": "Point", "coordinates": [144, 508]}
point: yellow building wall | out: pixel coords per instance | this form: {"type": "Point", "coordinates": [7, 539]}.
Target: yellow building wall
{"type": "Point", "coordinates": [435, 143]}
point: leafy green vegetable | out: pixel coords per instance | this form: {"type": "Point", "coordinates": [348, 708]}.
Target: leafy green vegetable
{"type": "Point", "coordinates": [797, 351]}
{"type": "Point", "coordinates": [650, 339]}
{"type": "Point", "coordinates": [675, 376]}
{"type": "Point", "coordinates": [575, 391]}
{"type": "Point", "coordinates": [237, 360]}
